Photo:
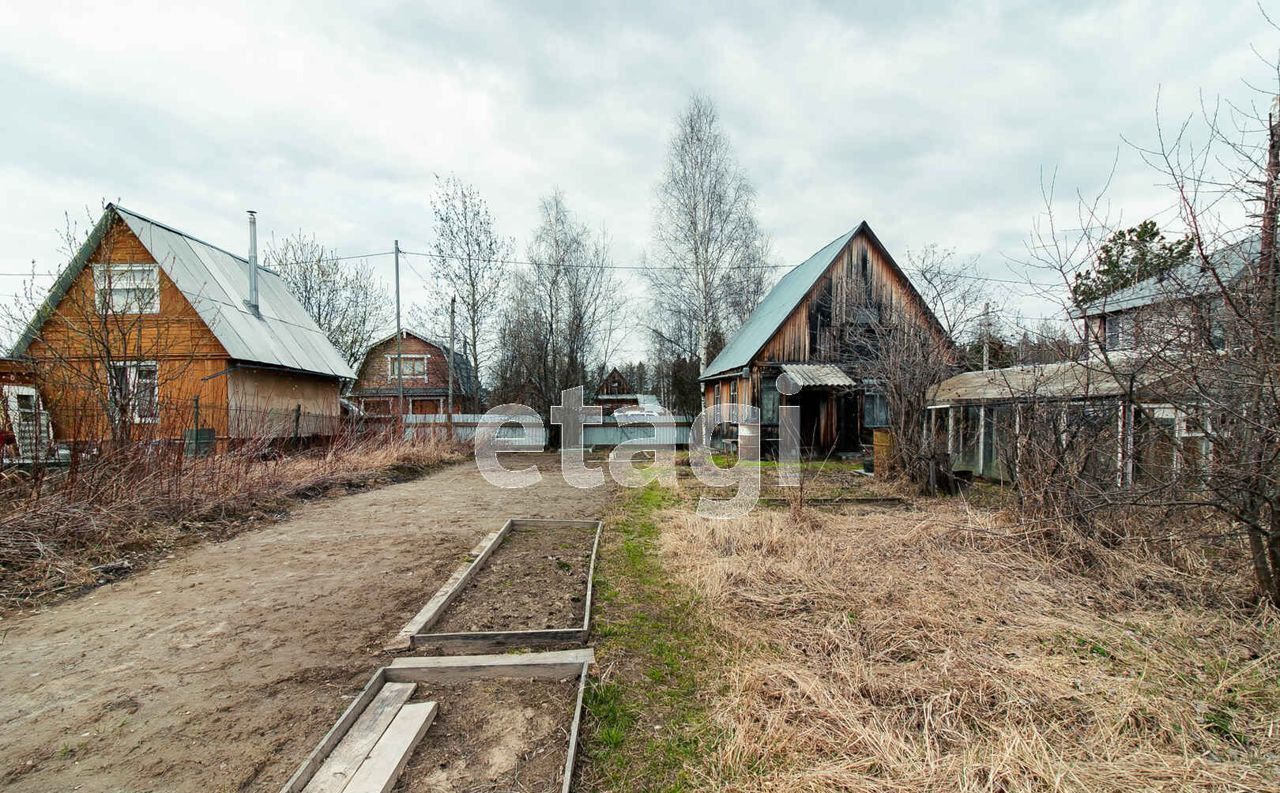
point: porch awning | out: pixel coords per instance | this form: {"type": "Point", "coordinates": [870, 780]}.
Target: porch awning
{"type": "Point", "coordinates": [807, 375]}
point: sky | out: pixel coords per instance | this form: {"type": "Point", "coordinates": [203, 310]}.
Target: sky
{"type": "Point", "coordinates": [935, 123]}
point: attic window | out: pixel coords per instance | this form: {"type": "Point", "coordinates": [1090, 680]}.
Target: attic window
{"type": "Point", "coordinates": [415, 366]}
{"type": "Point", "coordinates": [127, 288]}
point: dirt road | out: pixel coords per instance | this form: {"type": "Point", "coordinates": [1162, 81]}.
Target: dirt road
{"type": "Point", "coordinates": [218, 670]}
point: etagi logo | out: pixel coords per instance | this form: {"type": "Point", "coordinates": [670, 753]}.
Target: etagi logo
{"type": "Point", "coordinates": [646, 450]}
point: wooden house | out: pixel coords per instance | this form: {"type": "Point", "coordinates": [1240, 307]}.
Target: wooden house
{"type": "Point", "coordinates": [150, 333]}
{"type": "Point", "coordinates": [425, 368]}
{"type": "Point", "coordinates": [801, 329]}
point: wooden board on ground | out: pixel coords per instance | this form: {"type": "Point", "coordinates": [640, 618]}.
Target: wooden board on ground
{"type": "Point", "coordinates": [549, 666]}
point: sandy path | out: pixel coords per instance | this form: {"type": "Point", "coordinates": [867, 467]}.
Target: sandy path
{"type": "Point", "coordinates": [220, 669]}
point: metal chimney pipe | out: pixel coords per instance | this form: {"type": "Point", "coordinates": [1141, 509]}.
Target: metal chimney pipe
{"type": "Point", "coordinates": [252, 302]}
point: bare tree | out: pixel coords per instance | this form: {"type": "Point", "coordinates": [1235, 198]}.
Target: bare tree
{"type": "Point", "coordinates": [563, 311]}
{"type": "Point", "coordinates": [897, 348]}
{"type": "Point", "coordinates": [471, 263]}
{"type": "Point", "coordinates": [1196, 359]}
{"type": "Point", "coordinates": [709, 263]}
{"type": "Point", "coordinates": [108, 364]}
{"type": "Point", "coordinates": [346, 299]}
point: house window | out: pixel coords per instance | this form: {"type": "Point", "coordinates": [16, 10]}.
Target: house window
{"type": "Point", "coordinates": [875, 410]}
{"type": "Point", "coordinates": [135, 389]}
{"type": "Point", "coordinates": [1119, 331]}
{"type": "Point", "coordinates": [733, 400]}
{"type": "Point", "coordinates": [127, 288]}
{"type": "Point", "coordinates": [769, 401]}
{"type": "Point", "coordinates": [415, 366]}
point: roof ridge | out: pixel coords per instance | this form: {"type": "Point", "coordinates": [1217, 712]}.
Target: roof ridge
{"type": "Point", "coordinates": [183, 234]}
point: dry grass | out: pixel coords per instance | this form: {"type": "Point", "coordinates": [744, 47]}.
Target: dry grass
{"type": "Point", "coordinates": [889, 651]}
{"type": "Point", "coordinates": [121, 509]}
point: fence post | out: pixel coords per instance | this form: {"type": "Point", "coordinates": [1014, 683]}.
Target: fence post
{"type": "Point", "coordinates": [297, 422]}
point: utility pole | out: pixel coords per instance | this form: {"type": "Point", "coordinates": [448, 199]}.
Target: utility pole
{"type": "Point", "coordinates": [453, 301]}
{"type": "Point", "coordinates": [399, 340]}
{"type": "Point", "coordinates": [986, 336]}
{"type": "Point", "coordinates": [1269, 211]}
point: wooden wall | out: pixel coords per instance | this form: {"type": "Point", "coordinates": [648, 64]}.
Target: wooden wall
{"type": "Point", "coordinates": [72, 344]}
{"type": "Point", "coordinates": [375, 370]}
{"type": "Point", "coordinates": [265, 403]}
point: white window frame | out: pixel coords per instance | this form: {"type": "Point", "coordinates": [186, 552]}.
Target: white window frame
{"type": "Point", "coordinates": [104, 280]}
{"type": "Point", "coordinates": [131, 371]}
{"type": "Point", "coordinates": [1124, 331]}
{"type": "Point", "coordinates": [393, 364]}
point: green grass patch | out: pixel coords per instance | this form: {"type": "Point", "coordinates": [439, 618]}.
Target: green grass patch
{"type": "Point", "coordinates": [646, 720]}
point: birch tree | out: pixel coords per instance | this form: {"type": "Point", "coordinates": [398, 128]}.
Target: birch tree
{"type": "Point", "coordinates": [471, 262]}
{"type": "Point", "coordinates": [708, 267]}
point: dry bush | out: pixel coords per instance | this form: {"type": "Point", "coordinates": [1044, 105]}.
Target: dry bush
{"type": "Point", "coordinates": [891, 651]}
{"type": "Point", "coordinates": [71, 528]}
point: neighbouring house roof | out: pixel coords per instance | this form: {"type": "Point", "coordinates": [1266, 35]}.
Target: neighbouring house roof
{"type": "Point", "coordinates": [817, 374]}
{"type": "Point", "coordinates": [461, 363]}
{"type": "Point", "coordinates": [786, 295]}
{"type": "Point", "coordinates": [1185, 280]}
{"type": "Point", "coordinates": [1088, 379]}
{"type": "Point", "coordinates": [216, 283]}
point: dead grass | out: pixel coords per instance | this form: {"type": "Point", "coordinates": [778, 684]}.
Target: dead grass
{"type": "Point", "coordinates": [890, 651]}
{"type": "Point", "coordinates": [74, 529]}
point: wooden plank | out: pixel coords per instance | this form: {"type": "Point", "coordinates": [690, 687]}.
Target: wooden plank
{"type": "Point", "coordinates": [546, 666]}
{"type": "Point", "coordinates": [591, 580]}
{"type": "Point", "coordinates": [497, 640]}
{"type": "Point", "coordinates": [573, 732]}
{"type": "Point", "coordinates": [446, 594]}
{"type": "Point", "coordinates": [340, 766]}
{"type": "Point", "coordinates": [493, 640]}
{"type": "Point", "coordinates": [380, 770]}
{"type": "Point", "coordinates": [307, 770]}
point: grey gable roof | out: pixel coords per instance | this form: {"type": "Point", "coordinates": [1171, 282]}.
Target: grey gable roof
{"type": "Point", "coordinates": [216, 284]}
{"type": "Point", "coordinates": [787, 294]}
{"type": "Point", "coordinates": [1193, 278]}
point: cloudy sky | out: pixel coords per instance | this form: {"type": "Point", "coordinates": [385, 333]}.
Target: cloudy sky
{"type": "Point", "coordinates": [935, 124]}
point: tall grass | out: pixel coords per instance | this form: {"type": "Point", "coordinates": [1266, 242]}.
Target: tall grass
{"type": "Point", "coordinates": [67, 528]}
{"type": "Point", "coordinates": [889, 651]}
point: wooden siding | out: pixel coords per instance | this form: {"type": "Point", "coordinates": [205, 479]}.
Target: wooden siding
{"type": "Point", "coordinates": [270, 403]}
{"type": "Point", "coordinates": [69, 356]}
{"type": "Point", "coordinates": [375, 389]}
{"type": "Point", "coordinates": [861, 275]}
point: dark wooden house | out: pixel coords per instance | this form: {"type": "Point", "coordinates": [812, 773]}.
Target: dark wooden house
{"type": "Point", "coordinates": [425, 378]}
{"type": "Point", "coordinates": [800, 329]}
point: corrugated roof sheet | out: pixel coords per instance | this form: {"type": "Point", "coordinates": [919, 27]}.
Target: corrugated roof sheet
{"type": "Point", "coordinates": [1063, 380]}
{"type": "Point", "coordinates": [1188, 279]}
{"type": "Point", "coordinates": [216, 283]}
{"type": "Point", "coordinates": [816, 374]}
{"type": "Point", "coordinates": [775, 308]}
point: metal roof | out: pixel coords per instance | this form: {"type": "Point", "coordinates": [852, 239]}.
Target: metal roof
{"type": "Point", "coordinates": [216, 283]}
{"type": "Point", "coordinates": [816, 374]}
{"type": "Point", "coordinates": [775, 308]}
{"type": "Point", "coordinates": [1093, 378]}
{"type": "Point", "coordinates": [1187, 279]}
{"type": "Point", "coordinates": [787, 294]}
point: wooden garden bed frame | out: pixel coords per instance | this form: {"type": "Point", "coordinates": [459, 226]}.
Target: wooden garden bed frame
{"type": "Point", "coordinates": [416, 633]}
{"type": "Point", "coordinates": [541, 666]}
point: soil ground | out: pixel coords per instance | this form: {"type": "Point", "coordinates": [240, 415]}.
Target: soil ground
{"type": "Point", "coordinates": [219, 669]}
{"type": "Point", "coordinates": [536, 579]}
{"type": "Point", "coordinates": [493, 735]}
